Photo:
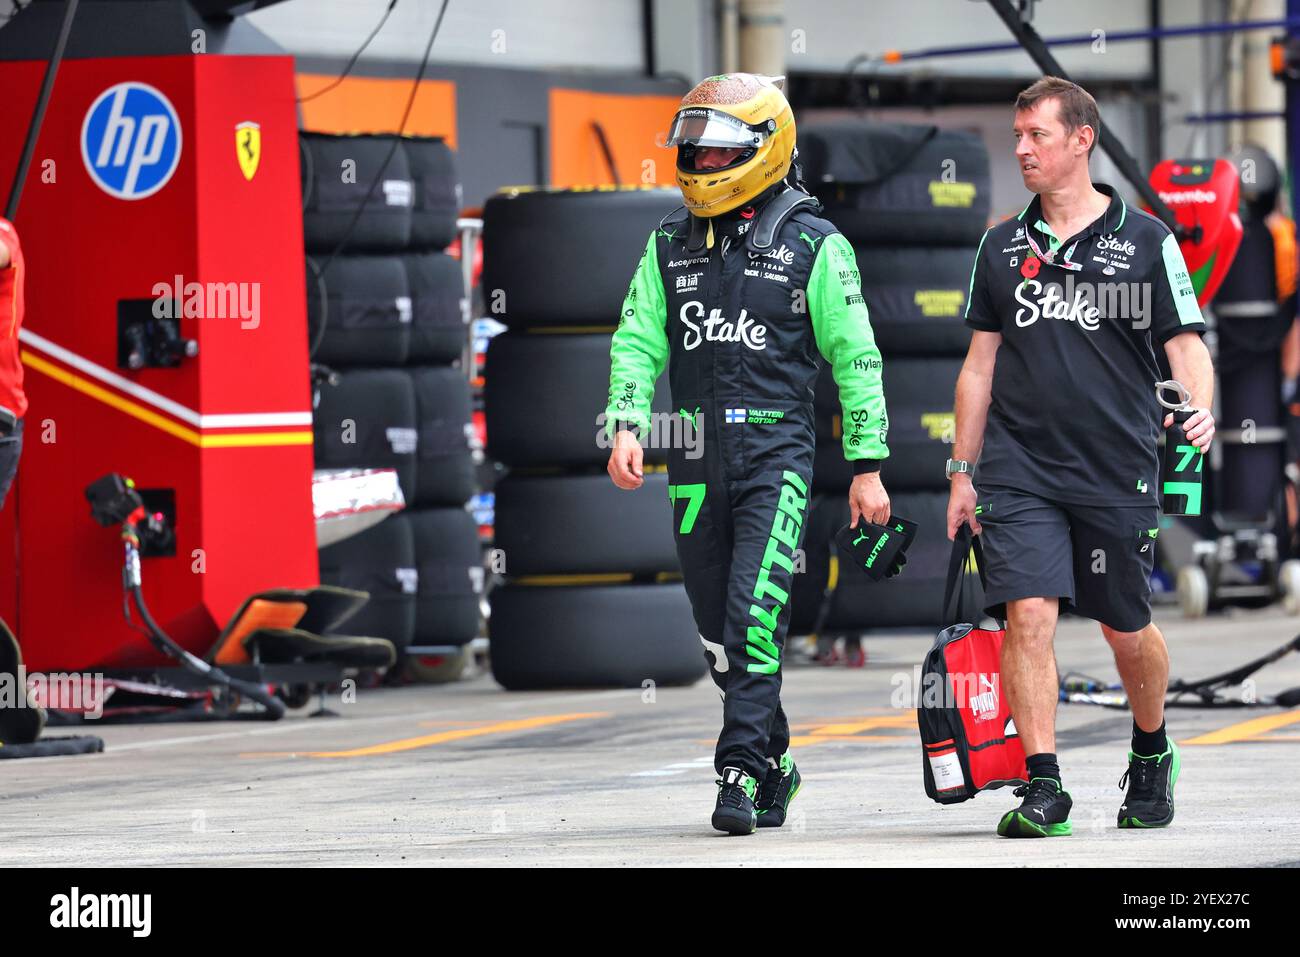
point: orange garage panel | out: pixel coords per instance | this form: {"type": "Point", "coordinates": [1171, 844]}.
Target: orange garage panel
{"type": "Point", "coordinates": [634, 124]}
{"type": "Point", "coordinates": [364, 104]}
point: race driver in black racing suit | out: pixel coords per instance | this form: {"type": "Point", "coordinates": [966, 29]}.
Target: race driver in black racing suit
{"type": "Point", "coordinates": [743, 288]}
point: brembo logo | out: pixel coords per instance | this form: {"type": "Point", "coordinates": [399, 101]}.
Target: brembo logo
{"type": "Point", "coordinates": [1111, 244]}
{"type": "Point", "coordinates": [1190, 196]}
{"type": "Point", "coordinates": [719, 329]}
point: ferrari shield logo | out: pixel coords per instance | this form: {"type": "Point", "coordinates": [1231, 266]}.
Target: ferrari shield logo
{"type": "Point", "coordinates": [248, 147]}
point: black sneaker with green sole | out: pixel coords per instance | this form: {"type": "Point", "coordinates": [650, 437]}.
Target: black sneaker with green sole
{"type": "Point", "coordinates": [780, 786]}
{"type": "Point", "coordinates": [1045, 811]}
{"type": "Point", "coordinates": [734, 812]}
{"type": "Point", "coordinates": [1150, 798]}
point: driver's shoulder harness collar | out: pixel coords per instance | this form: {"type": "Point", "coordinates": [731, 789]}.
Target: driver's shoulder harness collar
{"type": "Point", "coordinates": [770, 218]}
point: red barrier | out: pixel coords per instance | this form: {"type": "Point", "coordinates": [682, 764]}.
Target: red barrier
{"type": "Point", "coordinates": [142, 175]}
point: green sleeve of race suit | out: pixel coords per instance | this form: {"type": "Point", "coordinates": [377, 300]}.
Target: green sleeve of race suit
{"type": "Point", "coordinates": [639, 349]}
{"type": "Point", "coordinates": [844, 337]}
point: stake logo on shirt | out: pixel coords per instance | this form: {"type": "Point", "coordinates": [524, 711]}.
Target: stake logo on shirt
{"type": "Point", "coordinates": [781, 254]}
{"type": "Point", "coordinates": [1053, 305]}
{"type": "Point", "coordinates": [1110, 244]}
{"type": "Point", "coordinates": [717, 328]}
{"type": "Point", "coordinates": [1075, 388]}
{"type": "Point", "coordinates": [1084, 303]}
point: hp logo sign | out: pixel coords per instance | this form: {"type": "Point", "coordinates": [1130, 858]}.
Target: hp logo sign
{"type": "Point", "coordinates": [131, 141]}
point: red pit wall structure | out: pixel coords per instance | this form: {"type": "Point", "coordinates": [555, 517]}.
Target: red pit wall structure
{"type": "Point", "coordinates": [229, 431]}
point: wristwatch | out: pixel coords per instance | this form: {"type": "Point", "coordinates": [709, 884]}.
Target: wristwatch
{"type": "Point", "coordinates": [957, 466]}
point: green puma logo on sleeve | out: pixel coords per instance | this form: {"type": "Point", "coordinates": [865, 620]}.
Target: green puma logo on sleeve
{"type": "Point", "coordinates": [812, 243]}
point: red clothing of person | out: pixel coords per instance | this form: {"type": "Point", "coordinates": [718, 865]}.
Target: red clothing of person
{"type": "Point", "coordinates": [11, 320]}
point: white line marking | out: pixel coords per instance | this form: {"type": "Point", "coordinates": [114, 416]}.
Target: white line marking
{"type": "Point", "coordinates": [681, 767]}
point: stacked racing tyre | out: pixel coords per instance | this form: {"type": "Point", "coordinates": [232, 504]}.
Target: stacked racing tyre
{"type": "Point", "coordinates": [914, 202]}
{"type": "Point", "coordinates": [591, 593]}
{"type": "Point", "coordinates": [387, 321]}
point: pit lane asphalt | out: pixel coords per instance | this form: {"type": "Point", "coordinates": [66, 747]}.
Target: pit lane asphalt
{"type": "Point", "coordinates": [468, 774]}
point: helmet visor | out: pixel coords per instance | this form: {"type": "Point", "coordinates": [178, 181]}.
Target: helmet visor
{"type": "Point", "coordinates": [705, 127]}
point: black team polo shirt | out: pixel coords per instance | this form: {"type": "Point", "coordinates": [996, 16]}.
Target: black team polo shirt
{"type": "Point", "coordinates": [1074, 416]}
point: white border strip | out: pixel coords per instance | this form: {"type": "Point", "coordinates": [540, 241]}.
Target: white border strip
{"type": "Point", "coordinates": [237, 420]}
{"type": "Point", "coordinates": [221, 421]}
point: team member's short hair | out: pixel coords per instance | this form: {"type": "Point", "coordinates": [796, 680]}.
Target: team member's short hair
{"type": "Point", "coordinates": [1077, 107]}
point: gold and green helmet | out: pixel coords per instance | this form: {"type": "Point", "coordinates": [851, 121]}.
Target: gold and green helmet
{"type": "Point", "coordinates": [735, 111]}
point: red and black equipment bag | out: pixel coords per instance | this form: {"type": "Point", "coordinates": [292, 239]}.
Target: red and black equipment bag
{"type": "Point", "coordinates": [969, 741]}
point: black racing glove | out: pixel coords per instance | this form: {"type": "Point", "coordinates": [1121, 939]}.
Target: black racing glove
{"type": "Point", "coordinates": [879, 550]}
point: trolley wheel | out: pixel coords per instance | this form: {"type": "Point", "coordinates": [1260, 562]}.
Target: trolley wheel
{"type": "Point", "coordinates": [1288, 583]}
{"type": "Point", "coordinates": [428, 669]}
{"type": "Point", "coordinates": [294, 696]}
{"type": "Point", "coordinates": [1193, 588]}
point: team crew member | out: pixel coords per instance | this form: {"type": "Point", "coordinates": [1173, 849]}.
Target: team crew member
{"type": "Point", "coordinates": [743, 289]}
{"type": "Point", "coordinates": [1057, 401]}
{"type": "Point", "coordinates": [13, 403]}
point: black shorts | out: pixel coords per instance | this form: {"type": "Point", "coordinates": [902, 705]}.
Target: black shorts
{"type": "Point", "coordinates": [1096, 560]}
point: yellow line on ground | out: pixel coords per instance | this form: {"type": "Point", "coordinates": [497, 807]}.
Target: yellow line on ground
{"type": "Point", "coordinates": [905, 720]}
{"type": "Point", "coordinates": [424, 741]}
{"type": "Point", "coordinates": [1247, 730]}
{"type": "Point", "coordinates": [817, 722]}
{"type": "Point", "coordinates": [604, 578]}
{"type": "Point", "coordinates": [802, 740]}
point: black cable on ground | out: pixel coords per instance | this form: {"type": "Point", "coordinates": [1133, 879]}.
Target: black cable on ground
{"type": "Point", "coordinates": [275, 708]}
